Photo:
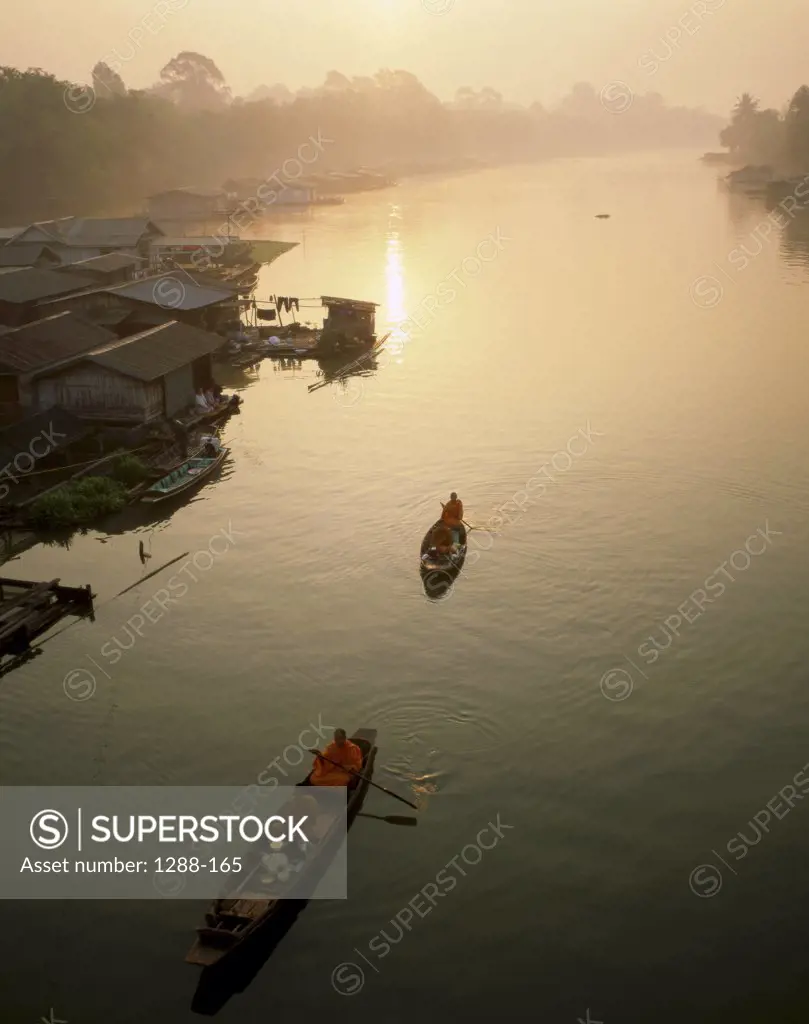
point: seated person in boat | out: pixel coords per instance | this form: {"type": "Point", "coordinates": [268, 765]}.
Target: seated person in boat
{"type": "Point", "coordinates": [345, 754]}
{"type": "Point", "coordinates": [211, 398]}
{"type": "Point", "coordinates": [211, 446]}
{"type": "Point", "coordinates": [442, 540]}
{"type": "Point", "coordinates": [201, 401]}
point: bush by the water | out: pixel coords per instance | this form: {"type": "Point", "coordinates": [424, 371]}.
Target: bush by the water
{"type": "Point", "coordinates": [79, 502]}
{"type": "Point", "coordinates": [129, 470]}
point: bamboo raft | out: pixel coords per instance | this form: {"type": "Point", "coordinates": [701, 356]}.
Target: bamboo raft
{"type": "Point", "coordinates": [28, 609]}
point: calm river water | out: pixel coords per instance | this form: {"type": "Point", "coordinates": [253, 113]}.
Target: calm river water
{"type": "Point", "coordinates": [619, 676]}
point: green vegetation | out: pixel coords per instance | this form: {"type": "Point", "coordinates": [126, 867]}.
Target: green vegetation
{"type": "Point", "coordinates": [129, 470]}
{"type": "Point", "coordinates": [101, 148]}
{"type": "Point", "coordinates": [770, 137]}
{"type": "Point", "coordinates": [78, 503]}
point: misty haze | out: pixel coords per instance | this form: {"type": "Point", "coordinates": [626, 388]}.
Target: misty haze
{"type": "Point", "coordinates": [403, 438]}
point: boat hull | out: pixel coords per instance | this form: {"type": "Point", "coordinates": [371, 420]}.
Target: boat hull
{"type": "Point", "coordinates": [185, 481]}
{"type": "Point", "coordinates": [438, 573]}
{"type": "Point", "coordinates": [271, 919]}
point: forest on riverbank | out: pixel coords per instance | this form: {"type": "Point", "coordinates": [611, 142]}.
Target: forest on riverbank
{"type": "Point", "coordinates": [778, 138]}
{"type": "Point", "coordinates": [68, 148]}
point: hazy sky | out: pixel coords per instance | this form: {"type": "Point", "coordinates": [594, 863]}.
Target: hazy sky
{"type": "Point", "coordinates": [528, 49]}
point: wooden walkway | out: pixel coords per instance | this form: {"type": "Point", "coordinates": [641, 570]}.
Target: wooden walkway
{"type": "Point", "coordinates": [28, 609]}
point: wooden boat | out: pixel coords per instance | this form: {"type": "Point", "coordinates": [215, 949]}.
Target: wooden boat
{"type": "Point", "coordinates": [205, 419]}
{"type": "Point", "coordinates": [188, 475]}
{"type": "Point", "coordinates": [438, 572]}
{"type": "Point", "coordinates": [231, 924]}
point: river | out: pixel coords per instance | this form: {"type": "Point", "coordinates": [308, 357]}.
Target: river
{"type": "Point", "coordinates": [614, 688]}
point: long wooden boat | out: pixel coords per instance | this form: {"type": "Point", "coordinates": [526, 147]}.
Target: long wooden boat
{"type": "Point", "coordinates": [439, 572]}
{"type": "Point", "coordinates": [186, 476]}
{"type": "Point", "coordinates": [231, 924]}
{"type": "Point", "coordinates": [224, 409]}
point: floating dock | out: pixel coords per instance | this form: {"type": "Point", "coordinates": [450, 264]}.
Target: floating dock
{"type": "Point", "coordinates": [28, 609]}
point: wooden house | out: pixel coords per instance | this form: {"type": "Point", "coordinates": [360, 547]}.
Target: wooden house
{"type": "Point", "coordinates": [189, 204]}
{"type": "Point", "coordinates": [27, 255]}
{"type": "Point", "coordinates": [110, 269]}
{"type": "Point", "coordinates": [133, 380]}
{"type": "Point", "coordinates": [33, 348]}
{"type": "Point", "coordinates": [23, 292]}
{"type": "Point", "coordinates": [199, 251]}
{"type": "Point", "coordinates": [46, 440]}
{"type": "Point", "coordinates": [349, 319]}
{"type": "Point", "coordinates": [80, 238]}
{"type": "Point", "coordinates": [154, 300]}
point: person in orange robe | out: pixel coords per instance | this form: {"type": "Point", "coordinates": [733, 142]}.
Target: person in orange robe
{"type": "Point", "coordinates": [453, 512]}
{"type": "Point", "coordinates": [345, 753]}
{"type": "Point", "coordinates": [442, 539]}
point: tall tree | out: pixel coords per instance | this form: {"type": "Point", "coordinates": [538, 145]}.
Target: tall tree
{"type": "Point", "coordinates": [194, 82]}
{"type": "Point", "coordinates": [739, 134]}
{"type": "Point", "coordinates": [107, 82]}
{"type": "Point", "coordinates": [796, 124]}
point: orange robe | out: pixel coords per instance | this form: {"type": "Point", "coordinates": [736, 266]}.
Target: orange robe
{"type": "Point", "coordinates": [453, 513]}
{"type": "Point", "coordinates": [325, 774]}
{"type": "Point", "coordinates": [442, 539]}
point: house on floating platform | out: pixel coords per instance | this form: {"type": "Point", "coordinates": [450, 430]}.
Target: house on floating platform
{"type": "Point", "coordinates": [154, 300]}
{"type": "Point", "coordinates": [133, 380]}
{"type": "Point", "coordinates": [33, 348]}
{"type": "Point", "coordinates": [189, 204]}
{"type": "Point", "coordinates": [348, 319]}
{"type": "Point", "coordinates": [80, 238]}
{"type": "Point", "coordinates": [27, 256]}
{"type": "Point", "coordinates": [23, 292]}
{"type": "Point", "coordinates": [201, 252]}
{"type": "Point", "coordinates": [41, 450]}
{"type": "Point", "coordinates": [111, 269]}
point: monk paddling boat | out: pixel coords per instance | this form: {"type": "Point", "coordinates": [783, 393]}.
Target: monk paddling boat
{"type": "Point", "coordinates": [231, 924]}
{"type": "Point", "coordinates": [186, 476]}
{"type": "Point", "coordinates": [439, 570]}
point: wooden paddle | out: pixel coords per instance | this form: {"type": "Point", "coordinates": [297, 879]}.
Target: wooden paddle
{"type": "Point", "coordinates": [365, 779]}
{"type": "Point", "coordinates": [483, 528]}
{"type": "Point", "coordinates": [391, 819]}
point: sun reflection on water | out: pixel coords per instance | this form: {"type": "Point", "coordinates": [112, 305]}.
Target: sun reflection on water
{"type": "Point", "coordinates": [395, 298]}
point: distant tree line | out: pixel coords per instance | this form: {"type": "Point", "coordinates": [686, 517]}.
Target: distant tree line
{"type": "Point", "coordinates": [777, 138]}
{"type": "Point", "coordinates": [101, 149]}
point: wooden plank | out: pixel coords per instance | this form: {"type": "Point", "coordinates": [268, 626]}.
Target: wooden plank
{"type": "Point", "coordinates": [33, 594]}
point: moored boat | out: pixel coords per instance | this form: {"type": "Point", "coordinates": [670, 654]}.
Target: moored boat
{"type": "Point", "coordinates": [231, 924]}
{"type": "Point", "coordinates": [187, 475]}
{"type": "Point", "coordinates": [439, 571]}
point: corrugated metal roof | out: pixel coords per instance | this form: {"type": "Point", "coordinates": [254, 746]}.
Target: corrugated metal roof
{"type": "Point", "coordinates": [44, 342]}
{"type": "Point", "coordinates": [59, 426]}
{"type": "Point", "coordinates": [205, 193]}
{"type": "Point", "coordinates": [108, 231]}
{"type": "Point", "coordinates": [267, 251]}
{"type": "Point", "coordinates": [26, 254]}
{"type": "Point", "coordinates": [194, 241]}
{"type": "Point", "coordinates": [174, 291]}
{"type": "Point", "coordinates": [156, 352]}
{"type": "Point", "coordinates": [22, 286]}
{"type": "Point", "coordinates": [108, 264]}
{"type": "Point", "coordinates": [330, 300]}
{"type": "Point", "coordinates": [46, 230]}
